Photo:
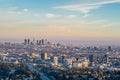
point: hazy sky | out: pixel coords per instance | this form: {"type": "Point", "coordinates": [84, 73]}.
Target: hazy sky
{"type": "Point", "coordinates": [60, 19]}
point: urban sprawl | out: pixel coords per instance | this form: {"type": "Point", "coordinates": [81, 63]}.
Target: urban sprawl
{"type": "Point", "coordinates": [45, 60]}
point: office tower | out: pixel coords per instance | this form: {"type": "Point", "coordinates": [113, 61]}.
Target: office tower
{"type": "Point", "coordinates": [39, 42]}
{"type": "Point", "coordinates": [69, 61]}
{"type": "Point", "coordinates": [34, 55]}
{"type": "Point", "coordinates": [44, 56]}
{"type": "Point", "coordinates": [85, 63]}
{"type": "Point", "coordinates": [45, 41]}
{"type": "Point", "coordinates": [31, 43]}
{"type": "Point", "coordinates": [95, 48]}
{"type": "Point", "coordinates": [55, 60]}
{"type": "Point", "coordinates": [109, 48]}
{"type": "Point", "coordinates": [28, 41]}
{"type": "Point", "coordinates": [77, 64]}
{"type": "Point", "coordinates": [93, 59]}
{"type": "Point", "coordinates": [63, 58]}
{"type": "Point", "coordinates": [77, 59]}
{"type": "Point", "coordinates": [42, 41]}
{"type": "Point", "coordinates": [25, 41]}
{"type": "Point", "coordinates": [34, 41]}
{"type": "Point", "coordinates": [106, 57]}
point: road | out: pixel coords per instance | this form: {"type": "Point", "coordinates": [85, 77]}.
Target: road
{"type": "Point", "coordinates": [33, 68]}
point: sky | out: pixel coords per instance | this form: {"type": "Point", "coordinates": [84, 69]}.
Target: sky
{"type": "Point", "coordinates": [60, 19]}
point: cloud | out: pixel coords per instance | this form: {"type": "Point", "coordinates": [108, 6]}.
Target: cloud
{"type": "Point", "coordinates": [71, 16]}
{"type": "Point", "coordinates": [36, 14]}
{"type": "Point", "coordinates": [13, 8]}
{"type": "Point", "coordinates": [86, 15]}
{"type": "Point", "coordinates": [50, 15]}
{"type": "Point", "coordinates": [82, 8]}
{"type": "Point", "coordinates": [25, 10]}
{"type": "Point", "coordinates": [86, 7]}
{"type": "Point", "coordinates": [16, 11]}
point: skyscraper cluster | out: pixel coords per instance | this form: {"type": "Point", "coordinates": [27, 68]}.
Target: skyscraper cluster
{"type": "Point", "coordinates": [35, 42]}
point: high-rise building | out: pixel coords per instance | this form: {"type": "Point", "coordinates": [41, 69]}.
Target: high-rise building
{"type": "Point", "coordinates": [44, 56]}
{"type": "Point", "coordinates": [25, 41]}
{"type": "Point", "coordinates": [93, 59]}
{"type": "Point", "coordinates": [28, 41]}
{"type": "Point", "coordinates": [85, 63]}
{"type": "Point", "coordinates": [55, 60]}
{"type": "Point", "coordinates": [45, 41]}
{"type": "Point", "coordinates": [42, 41]}
{"type": "Point", "coordinates": [107, 57]}
{"type": "Point", "coordinates": [109, 48]}
{"type": "Point", "coordinates": [69, 61]}
{"type": "Point", "coordinates": [77, 64]}
{"type": "Point", "coordinates": [39, 42]}
{"type": "Point", "coordinates": [34, 43]}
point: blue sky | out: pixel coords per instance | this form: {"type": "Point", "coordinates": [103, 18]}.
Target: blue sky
{"type": "Point", "coordinates": [68, 19]}
{"type": "Point", "coordinates": [108, 11]}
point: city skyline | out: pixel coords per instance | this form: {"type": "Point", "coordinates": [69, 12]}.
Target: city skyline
{"type": "Point", "coordinates": [62, 20]}
{"type": "Point", "coordinates": [59, 40]}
